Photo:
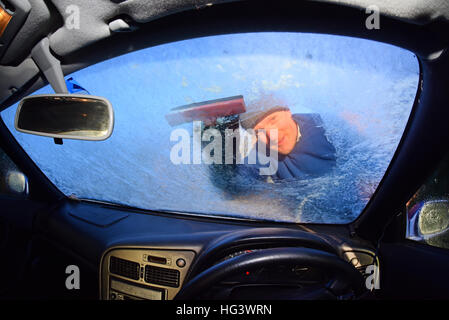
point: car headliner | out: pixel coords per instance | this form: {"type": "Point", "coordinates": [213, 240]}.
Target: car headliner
{"type": "Point", "coordinates": [419, 26]}
{"type": "Point", "coordinates": [17, 68]}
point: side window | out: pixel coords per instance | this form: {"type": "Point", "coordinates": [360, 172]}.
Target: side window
{"type": "Point", "coordinates": [13, 183]}
{"type": "Point", "coordinates": [428, 209]}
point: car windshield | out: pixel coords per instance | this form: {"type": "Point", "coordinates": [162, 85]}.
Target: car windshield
{"type": "Point", "coordinates": [330, 109]}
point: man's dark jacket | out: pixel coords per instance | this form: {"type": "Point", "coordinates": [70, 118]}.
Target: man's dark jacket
{"type": "Point", "coordinates": [313, 155]}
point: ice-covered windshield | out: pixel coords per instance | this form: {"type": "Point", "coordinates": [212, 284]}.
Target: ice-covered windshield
{"type": "Point", "coordinates": [330, 109]}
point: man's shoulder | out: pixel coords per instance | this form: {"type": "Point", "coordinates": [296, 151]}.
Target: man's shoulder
{"type": "Point", "coordinates": [309, 119]}
{"type": "Point", "coordinates": [313, 139]}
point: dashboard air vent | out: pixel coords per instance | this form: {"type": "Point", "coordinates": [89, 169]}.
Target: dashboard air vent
{"type": "Point", "coordinates": [162, 276]}
{"type": "Point", "coordinates": [124, 268]}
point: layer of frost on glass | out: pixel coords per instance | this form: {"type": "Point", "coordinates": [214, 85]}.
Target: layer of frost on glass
{"type": "Point", "coordinates": [363, 91]}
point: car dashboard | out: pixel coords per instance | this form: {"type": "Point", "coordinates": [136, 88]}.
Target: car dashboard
{"type": "Point", "coordinates": [141, 273]}
{"type": "Point", "coordinates": [141, 255]}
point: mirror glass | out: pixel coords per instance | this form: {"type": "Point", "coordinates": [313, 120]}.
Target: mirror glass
{"type": "Point", "coordinates": [17, 182]}
{"type": "Point", "coordinates": [13, 182]}
{"type": "Point", "coordinates": [79, 117]}
{"type": "Point", "coordinates": [434, 217]}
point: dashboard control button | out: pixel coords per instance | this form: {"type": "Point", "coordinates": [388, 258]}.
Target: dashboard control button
{"type": "Point", "coordinates": [181, 263]}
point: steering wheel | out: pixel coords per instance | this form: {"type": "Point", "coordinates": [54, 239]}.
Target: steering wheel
{"type": "Point", "coordinates": [345, 278]}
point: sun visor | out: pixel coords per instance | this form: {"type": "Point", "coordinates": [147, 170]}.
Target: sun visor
{"type": "Point", "coordinates": [13, 14]}
{"type": "Point", "coordinates": [5, 18]}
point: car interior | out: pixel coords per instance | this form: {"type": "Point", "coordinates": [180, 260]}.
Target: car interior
{"type": "Point", "coordinates": [123, 252]}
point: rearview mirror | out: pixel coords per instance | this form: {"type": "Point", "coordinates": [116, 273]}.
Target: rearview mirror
{"type": "Point", "coordinates": [65, 116]}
